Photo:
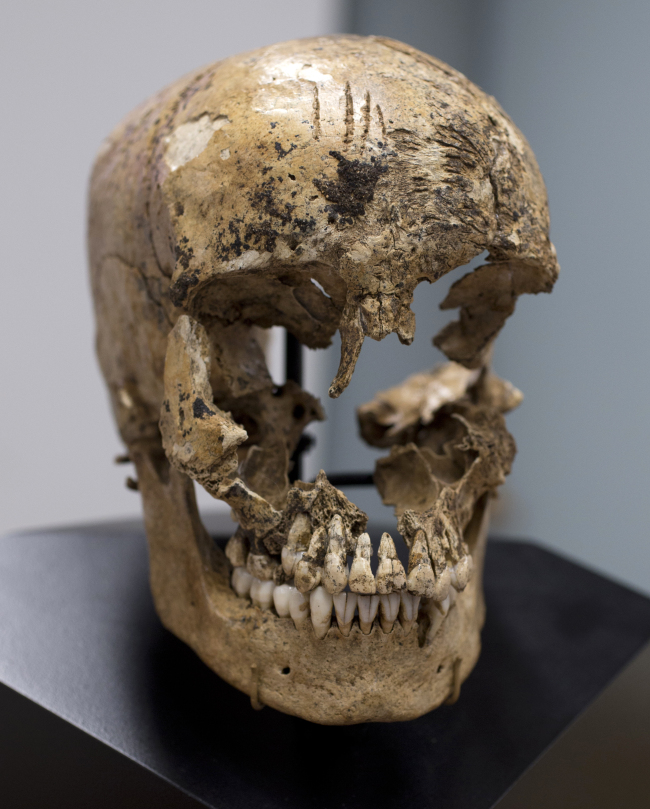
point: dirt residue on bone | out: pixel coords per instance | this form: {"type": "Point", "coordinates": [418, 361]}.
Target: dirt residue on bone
{"type": "Point", "coordinates": [354, 187]}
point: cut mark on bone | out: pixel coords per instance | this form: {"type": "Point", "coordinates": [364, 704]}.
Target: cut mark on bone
{"type": "Point", "coordinates": [365, 111]}
{"type": "Point", "coordinates": [316, 112]}
{"type": "Point", "coordinates": [349, 114]}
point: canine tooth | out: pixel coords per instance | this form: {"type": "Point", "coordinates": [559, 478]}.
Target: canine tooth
{"type": "Point", "coordinates": [389, 608]}
{"type": "Point", "coordinates": [420, 580]}
{"type": "Point", "coordinates": [281, 599]}
{"type": "Point", "coordinates": [408, 610]}
{"type": "Point", "coordinates": [241, 581]}
{"type": "Point", "coordinates": [361, 578]}
{"type": "Point", "coordinates": [335, 572]}
{"type": "Point", "coordinates": [442, 585]}
{"type": "Point", "coordinates": [345, 605]}
{"type": "Point", "coordinates": [262, 593]}
{"type": "Point", "coordinates": [237, 550]}
{"type": "Point", "coordinates": [297, 542]}
{"type": "Point", "coordinates": [308, 572]}
{"type": "Point", "coordinates": [367, 611]}
{"type": "Point", "coordinates": [386, 553]}
{"type": "Point", "coordinates": [298, 607]}
{"type": "Point", "coordinates": [320, 603]}
{"type": "Point", "coordinates": [261, 566]}
{"type": "Point", "coordinates": [462, 572]}
{"type": "Point", "coordinates": [436, 618]}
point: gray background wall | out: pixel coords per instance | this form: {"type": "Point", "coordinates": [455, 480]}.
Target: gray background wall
{"type": "Point", "coordinates": [573, 75]}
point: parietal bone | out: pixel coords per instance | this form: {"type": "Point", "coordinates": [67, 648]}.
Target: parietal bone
{"type": "Point", "coordinates": [313, 185]}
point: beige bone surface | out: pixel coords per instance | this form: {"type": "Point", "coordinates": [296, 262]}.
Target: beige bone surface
{"type": "Point", "coordinates": [313, 185]}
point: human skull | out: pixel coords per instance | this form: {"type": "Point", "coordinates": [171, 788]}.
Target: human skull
{"type": "Point", "coordinates": [313, 185]}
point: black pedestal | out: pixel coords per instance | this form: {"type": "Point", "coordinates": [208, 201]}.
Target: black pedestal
{"type": "Point", "coordinates": [100, 706]}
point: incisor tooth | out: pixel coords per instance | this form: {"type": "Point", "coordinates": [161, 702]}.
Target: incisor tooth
{"type": "Point", "coordinates": [367, 611]}
{"type": "Point", "coordinates": [297, 542]}
{"type": "Point", "coordinates": [462, 572]}
{"type": "Point", "coordinates": [241, 581]}
{"type": "Point", "coordinates": [345, 605]}
{"type": "Point", "coordinates": [262, 593]}
{"type": "Point", "coordinates": [335, 573]}
{"type": "Point", "coordinates": [237, 550]}
{"type": "Point", "coordinates": [308, 572]}
{"type": "Point", "coordinates": [361, 578]}
{"type": "Point", "coordinates": [298, 607]}
{"type": "Point", "coordinates": [320, 604]}
{"type": "Point", "coordinates": [389, 608]}
{"type": "Point", "coordinates": [281, 599]}
{"type": "Point", "coordinates": [420, 580]}
{"type": "Point", "coordinates": [408, 610]}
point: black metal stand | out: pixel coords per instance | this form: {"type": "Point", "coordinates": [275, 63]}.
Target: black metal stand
{"type": "Point", "coordinates": [101, 707]}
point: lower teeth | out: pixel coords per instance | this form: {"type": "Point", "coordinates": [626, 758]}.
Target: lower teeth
{"type": "Point", "coordinates": [347, 609]}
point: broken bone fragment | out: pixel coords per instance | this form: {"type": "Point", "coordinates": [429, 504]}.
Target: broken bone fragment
{"type": "Point", "coordinates": [384, 169]}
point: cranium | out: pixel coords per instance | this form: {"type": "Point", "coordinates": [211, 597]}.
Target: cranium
{"type": "Point", "coordinates": [313, 185]}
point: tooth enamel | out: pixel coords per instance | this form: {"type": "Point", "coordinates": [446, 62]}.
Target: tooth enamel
{"type": "Point", "coordinates": [335, 573]}
{"type": "Point", "coordinates": [237, 550]}
{"type": "Point", "coordinates": [390, 573]}
{"type": "Point", "coordinates": [441, 586]}
{"type": "Point", "coordinates": [261, 566]}
{"type": "Point", "coordinates": [320, 603]}
{"type": "Point", "coordinates": [262, 593]}
{"type": "Point", "coordinates": [297, 542]}
{"type": "Point", "coordinates": [443, 606]}
{"type": "Point", "coordinates": [308, 572]}
{"type": "Point", "coordinates": [281, 599]}
{"type": "Point", "coordinates": [345, 605]}
{"type": "Point", "coordinates": [361, 578]}
{"type": "Point", "coordinates": [462, 572]}
{"type": "Point", "coordinates": [241, 581]}
{"type": "Point", "coordinates": [420, 580]}
{"type": "Point", "coordinates": [298, 607]}
{"type": "Point", "coordinates": [368, 606]}
{"type": "Point", "coordinates": [408, 610]}
{"type": "Point", "coordinates": [389, 609]}
{"type": "Point", "coordinates": [436, 618]}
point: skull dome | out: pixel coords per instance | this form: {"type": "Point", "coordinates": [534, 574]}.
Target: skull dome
{"type": "Point", "coordinates": [313, 185]}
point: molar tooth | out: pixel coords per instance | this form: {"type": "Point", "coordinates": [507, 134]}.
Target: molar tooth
{"type": "Point", "coordinates": [262, 593]}
{"type": "Point", "coordinates": [261, 566]}
{"type": "Point", "coordinates": [345, 605]}
{"type": "Point", "coordinates": [237, 550]}
{"type": "Point", "coordinates": [281, 596]}
{"type": "Point", "coordinates": [335, 573]}
{"type": "Point", "coordinates": [420, 580]}
{"type": "Point", "coordinates": [320, 603]}
{"type": "Point", "coordinates": [462, 572]}
{"type": "Point", "coordinates": [308, 571]}
{"type": "Point", "coordinates": [298, 607]}
{"type": "Point", "coordinates": [367, 611]}
{"type": "Point", "coordinates": [241, 581]}
{"type": "Point", "coordinates": [297, 542]}
{"type": "Point", "coordinates": [389, 609]}
{"type": "Point", "coordinates": [361, 578]}
{"type": "Point", "coordinates": [408, 610]}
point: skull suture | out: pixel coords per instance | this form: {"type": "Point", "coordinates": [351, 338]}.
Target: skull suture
{"type": "Point", "coordinates": [313, 185]}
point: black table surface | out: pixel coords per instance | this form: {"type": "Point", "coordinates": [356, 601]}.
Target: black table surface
{"type": "Point", "coordinates": [80, 638]}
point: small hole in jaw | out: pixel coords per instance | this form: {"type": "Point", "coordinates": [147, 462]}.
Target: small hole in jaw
{"type": "Point", "coordinates": [440, 668]}
{"type": "Point", "coordinates": [286, 670]}
{"type": "Point", "coordinates": [298, 412]}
